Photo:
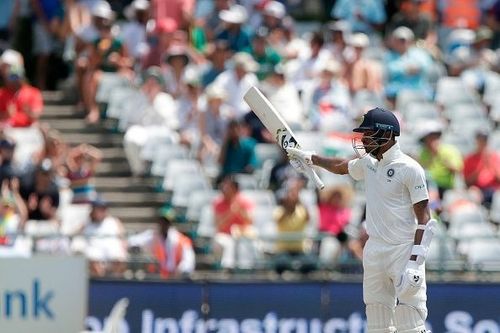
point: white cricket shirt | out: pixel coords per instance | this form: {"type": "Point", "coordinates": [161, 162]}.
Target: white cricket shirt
{"type": "Point", "coordinates": [392, 186]}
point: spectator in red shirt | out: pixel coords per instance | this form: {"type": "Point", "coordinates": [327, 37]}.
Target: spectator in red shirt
{"type": "Point", "coordinates": [20, 103]}
{"type": "Point", "coordinates": [482, 168]}
{"type": "Point", "coordinates": [232, 220]}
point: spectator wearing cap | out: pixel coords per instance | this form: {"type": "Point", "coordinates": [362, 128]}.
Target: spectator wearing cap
{"type": "Point", "coordinates": [214, 117]}
{"type": "Point", "coordinates": [133, 32]}
{"type": "Point", "coordinates": [406, 66]}
{"type": "Point", "coordinates": [442, 161]}
{"type": "Point", "coordinates": [217, 55]}
{"type": "Point", "coordinates": [273, 14]}
{"type": "Point", "coordinates": [108, 54]}
{"type": "Point", "coordinates": [103, 241]}
{"type": "Point", "coordinates": [339, 32]}
{"type": "Point", "coordinates": [159, 39]}
{"type": "Point", "coordinates": [172, 249]}
{"type": "Point", "coordinates": [366, 16]}
{"type": "Point", "coordinates": [410, 16]}
{"type": "Point", "coordinates": [158, 121]}
{"type": "Point", "coordinates": [482, 168]}
{"type": "Point", "coordinates": [40, 192]}
{"type": "Point", "coordinates": [82, 164]}
{"type": "Point", "coordinates": [213, 23]}
{"type": "Point", "coordinates": [284, 96]}
{"type": "Point", "coordinates": [189, 104]}
{"type": "Point", "coordinates": [234, 31]}
{"type": "Point", "coordinates": [101, 15]}
{"type": "Point", "coordinates": [237, 80]}
{"type": "Point", "coordinates": [265, 55]}
{"type": "Point", "coordinates": [176, 60]}
{"type": "Point", "coordinates": [328, 95]}
{"type": "Point", "coordinates": [362, 74]}
{"type": "Point", "coordinates": [20, 103]}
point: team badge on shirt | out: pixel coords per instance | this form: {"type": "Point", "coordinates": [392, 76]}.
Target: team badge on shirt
{"type": "Point", "coordinates": [390, 172]}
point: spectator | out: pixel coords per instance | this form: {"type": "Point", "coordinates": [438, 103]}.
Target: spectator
{"type": "Point", "coordinates": [273, 14]}
{"type": "Point", "coordinates": [133, 32]}
{"type": "Point", "coordinates": [363, 15]}
{"type": "Point", "coordinates": [282, 172]}
{"type": "Point", "coordinates": [20, 103]}
{"type": "Point", "coordinates": [159, 121]}
{"type": "Point", "coordinates": [49, 15]}
{"type": "Point", "coordinates": [54, 149]}
{"type": "Point", "coordinates": [234, 32]}
{"type": "Point", "coordinates": [7, 9]}
{"type": "Point", "coordinates": [482, 168]}
{"type": "Point", "coordinates": [172, 250]}
{"type": "Point", "coordinates": [442, 161]}
{"type": "Point", "coordinates": [107, 55]}
{"type": "Point", "coordinates": [291, 218]}
{"type": "Point", "coordinates": [7, 168]}
{"type": "Point", "coordinates": [103, 242]}
{"type": "Point", "coordinates": [181, 11]}
{"type": "Point", "coordinates": [237, 80]}
{"type": "Point", "coordinates": [82, 163]}
{"type": "Point", "coordinates": [339, 33]}
{"type": "Point", "coordinates": [213, 123]}
{"type": "Point", "coordinates": [410, 16]}
{"type": "Point", "coordinates": [214, 24]}
{"type": "Point", "coordinates": [217, 54]}
{"type": "Point", "coordinates": [329, 95]}
{"type": "Point", "coordinates": [159, 41]}
{"type": "Point", "coordinates": [265, 55]}
{"type": "Point", "coordinates": [13, 214]}
{"type": "Point", "coordinates": [309, 67]}
{"type": "Point", "coordinates": [40, 192]}
{"type": "Point", "coordinates": [334, 210]}
{"type": "Point", "coordinates": [233, 223]}
{"type": "Point", "coordinates": [284, 96]}
{"type": "Point", "coordinates": [362, 74]}
{"type": "Point", "coordinates": [84, 37]}
{"type": "Point", "coordinates": [177, 61]}
{"type": "Point", "coordinates": [406, 65]}
{"type": "Point", "coordinates": [188, 105]}
{"type": "Point", "coordinates": [238, 152]}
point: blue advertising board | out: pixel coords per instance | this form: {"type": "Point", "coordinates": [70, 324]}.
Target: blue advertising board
{"type": "Point", "coordinates": [280, 307]}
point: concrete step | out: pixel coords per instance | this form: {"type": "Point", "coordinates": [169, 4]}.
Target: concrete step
{"type": "Point", "coordinates": [103, 140]}
{"type": "Point", "coordinates": [137, 214]}
{"type": "Point", "coordinates": [147, 199]}
{"type": "Point", "coordinates": [54, 112]}
{"type": "Point", "coordinates": [111, 169]}
{"type": "Point", "coordinates": [76, 125]}
{"type": "Point", "coordinates": [123, 184]}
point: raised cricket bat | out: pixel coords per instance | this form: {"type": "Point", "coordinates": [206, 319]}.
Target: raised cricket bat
{"type": "Point", "coordinates": [275, 123]}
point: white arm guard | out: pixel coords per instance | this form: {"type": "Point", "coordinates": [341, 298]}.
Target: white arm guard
{"type": "Point", "coordinates": [421, 250]}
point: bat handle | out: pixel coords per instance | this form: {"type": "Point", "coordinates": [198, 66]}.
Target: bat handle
{"type": "Point", "coordinates": [312, 175]}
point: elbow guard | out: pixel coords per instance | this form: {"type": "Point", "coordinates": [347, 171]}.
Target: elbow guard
{"type": "Point", "coordinates": [422, 249]}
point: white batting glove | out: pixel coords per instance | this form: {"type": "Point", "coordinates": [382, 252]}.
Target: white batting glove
{"type": "Point", "coordinates": [411, 279]}
{"type": "Point", "coordinates": [304, 156]}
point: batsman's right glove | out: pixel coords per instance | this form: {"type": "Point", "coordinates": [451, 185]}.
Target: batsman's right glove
{"type": "Point", "coordinates": [304, 156]}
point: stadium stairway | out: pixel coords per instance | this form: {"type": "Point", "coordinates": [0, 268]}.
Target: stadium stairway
{"type": "Point", "coordinates": [133, 200]}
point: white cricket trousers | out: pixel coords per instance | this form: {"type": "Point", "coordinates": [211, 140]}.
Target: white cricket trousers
{"type": "Point", "coordinates": [383, 264]}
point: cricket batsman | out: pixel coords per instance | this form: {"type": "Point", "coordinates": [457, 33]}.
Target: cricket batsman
{"type": "Point", "coordinates": [398, 223]}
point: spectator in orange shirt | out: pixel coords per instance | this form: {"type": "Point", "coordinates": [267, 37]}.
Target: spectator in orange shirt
{"type": "Point", "coordinates": [20, 103]}
{"type": "Point", "coordinates": [232, 220]}
{"type": "Point", "coordinates": [482, 168]}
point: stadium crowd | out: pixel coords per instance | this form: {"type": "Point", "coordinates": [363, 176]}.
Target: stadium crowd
{"type": "Point", "coordinates": [172, 74]}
